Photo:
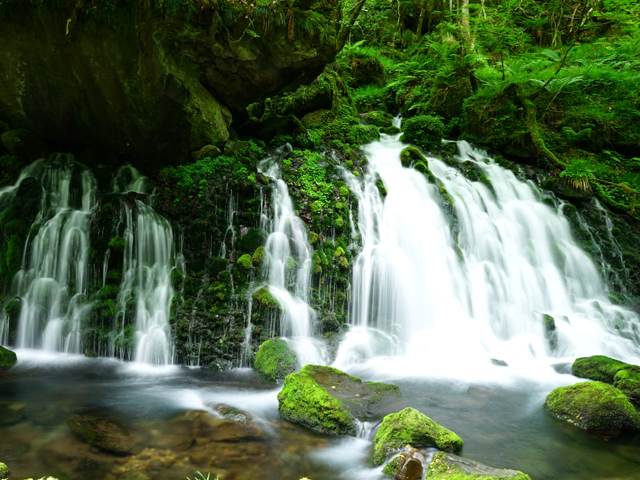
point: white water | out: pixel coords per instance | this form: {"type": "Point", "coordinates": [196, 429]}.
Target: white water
{"type": "Point", "coordinates": [53, 280]}
{"type": "Point", "coordinates": [288, 256]}
{"type": "Point", "coordinates": [414, 298]}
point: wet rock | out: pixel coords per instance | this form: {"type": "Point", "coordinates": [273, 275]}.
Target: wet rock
{"type": "Point", "coordinates": [379, 119]}
{"type": "Point", "coordinates": [103, 433]}
{"type": "Point", "coordinates": [410, 155]}
{"type": "Point", "coordinates": [7, 359]}
{"type": "Point", "coordinates": [207, 151]}
{"type": "Point", "coordinates": [411, 427]}
{"type": "Point", "coordinates": [205, 427]}
{"type": "Point", "coordinates": [550, 331]}
{"type": "Point", "coordinates": [405, 466]}
{"type": "Point", "coordinates": [275, 360]}
{"type": "Point", "coordinates": [623, 376]}
{"type": "Point", "coordinates": [10, 414]}
{"type": "Point", "coordinates": [328, 400]}
{"type": "Point", "coordinates": [567, 192]}
{"type": "Point", "coordinates": [499, 363]}
{"type": "Point", "coordinates": [390, 130]}
{"type": "Point", "coordinates": [593, 406]}
{"type": "Point", "coordinates": [231, 413]}
{"type": "Point", "coordinates": [447, 466]}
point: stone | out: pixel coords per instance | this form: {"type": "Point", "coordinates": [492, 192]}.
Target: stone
{"type": "Point", "coordinates": [8, 359]}
{"type": "Point", "coordinates": [593, 406]}
{"type": "Point", "coordinates": [447, 466]}
{"type": "Point", "coordinates": [379, 119]}
{"type": "Point", "coordinates": [329, 400]}
{"type": "Point", "coordinates": [103, 433]}
{"type": "Point", "coordinates": [409, 155]}
{"type": "Point", "coordinates": [275, 360]}
{"type": "Point", "coordinates": [565, 191]}
{"type": "Point", "coordinates": [405, 466]}
{"type": "Point", "coordinates": [499, 363]}
{"type": "Point", "coordinates": [10, 416]}
{"type": "Point", "coordinates": [625, 377]}
{"type": "Point", "coordinates": [411, 427]}
{"type": "Point", "coordinates": [390, 130]}
{"type": "Point", "coordinates": [210, 151]}
{"type": "Point", "coordinates": [205, 427]}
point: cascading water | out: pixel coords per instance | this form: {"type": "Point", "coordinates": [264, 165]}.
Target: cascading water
{"type": "Point", "coordinates": [53, 281]}
{"type": "Point", "coordinates": [288, 256]}
{"type": "Point", "coordinates": [420, 292]}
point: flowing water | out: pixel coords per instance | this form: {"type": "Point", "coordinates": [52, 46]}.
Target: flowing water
{"type": "Point", "coordinates": [452, 274]}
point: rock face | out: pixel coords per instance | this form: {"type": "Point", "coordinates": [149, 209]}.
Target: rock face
{"type": "Point", "coordinates": [446, 466]}
{"type": "Point", "coordinates": [623, 376]}
{"type": "Point", "coordinates": [593, 406]}
{"type": "Point", "coordinates": [7, 359]}
{"type": "Point", "coordinates": [103, 433]}
{"type": "Point", "coordinates": [328, 400]}
{"type": "Point", "coordinates": [411, 427]}
{"type": "Point", "coordinates": [148, 83]}
{"type": "Point", "coordinates": [275, 360]}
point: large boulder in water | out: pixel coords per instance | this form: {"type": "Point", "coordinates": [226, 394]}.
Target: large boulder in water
{"type": "Point", "coordinates": [411, 427]}
{"type": "Point", "coordinates": [275, 360]}
{"type": "Point", "coordinates": [623, 376]}
{"type": "Point", "coordinates": [7, 359]}
{"type": "Point", "coordinates": [447, 466]}
{"type": "Point", "coordinates": [328, 400]}
{"type": "Point", "coordinates": [103, 433]}
{"type": "Point", "coordinates": [593, 406]}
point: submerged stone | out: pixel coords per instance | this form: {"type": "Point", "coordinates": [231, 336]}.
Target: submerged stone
{"type": "Point", "coordinates": [411, 427]}
{"type": "Point", "coordinates": [275, 360]}
{"type": "Point", "coordinates": [625, 377]}
{"type": "Point", "coordinates": [103, 433]}
{"type": "Point", "coordinates": [329, 400]}
{"type": "Point", "coordinates": [593, 406]}
{"type": "Point", "coordinates": [447, 466]}
{"type": "Point", "coordinates": [8, 358]}
{"type": "Point", "coordinates": [405, 466]}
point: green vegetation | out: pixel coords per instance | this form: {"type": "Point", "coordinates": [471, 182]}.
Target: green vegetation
{"type": "Point", "coordinates": [410, 427]}
{"type": "Point", "coordinates": [623, 376]}
{"type": "Point", "coordinates": [7, 358]}
{"type": "Point", "coordinates": [275, 360]}
{"type": "Point", "coordinates": [593, 406]}
{"type": "Point", "coordinates": [445, 466]}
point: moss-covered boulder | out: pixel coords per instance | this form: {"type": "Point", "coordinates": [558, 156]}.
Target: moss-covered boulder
{"type": "Point", "coordinates": [4, 471]}
{"type": "Point", "coordinates": [275, 360]}
{"type": "Point", "coordinates": [425, 131]}
{"type": "Point", "coordinates": [329, 400]}
{"type": "Point", "coordinates": [447, 466]}
{"type": "Point", "coordinates": [103, 433]}
{"type": "Point", "coordinates": [593, 406]}
{"type": "Point", "coordinates": [410, 155]}
{"type": "Point", "coordinates": [379, 119]}
{"type": "Point", "coordinates": [411, 427]}
{"type": "Point", "coordinates": [625, 377]}
{"type": "Point", "coordinates": [7, 359]}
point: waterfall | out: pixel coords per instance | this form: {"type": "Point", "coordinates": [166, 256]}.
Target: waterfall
{"type": "Point", "coordinates": [426, 292]}
{"type": "Point", "coordinates": [288, 256]}
{"type": "Point", "coordinates": [53, 281]}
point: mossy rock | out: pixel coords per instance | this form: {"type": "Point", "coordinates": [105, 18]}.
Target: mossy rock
{"type": "Point", "coordinates": [4, 471]}
{"type": "Point", "coordinates": [258, 256]}
{"type": "Point", "coordinates": [390, 130]}
{"type": "Point", "coordinates": [593, 406]}
{"type": "Point", "coordinates": [447, 466]}
{"type": "Point", "coordinates": [425, 131]}
{"type": "Point", "coordinates": [244, 262]}
{"type": "Point", "coordinates": [411, 427]}
{"type": "Point", "coordinates": [623, 376]}
{"type": "Point", "coordinates": [103, 433]}
{"type": "Point", "coordinates": [264, 299]}
{"type": "Point", "coordinates": [7, 358]}
{"type": "Point", "coordinates": [329, 400]}
{"type": "Point", "coordinates": [275, 360]}
{"type": "Point", "coordinates": [410, 155]}
{"type": "Point", "coordinates": [379, 119]}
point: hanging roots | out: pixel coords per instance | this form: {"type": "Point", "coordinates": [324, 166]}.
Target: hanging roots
{"type": "Point", "coordinates": [290, 22]}
{"type": "Point", "coordinates": [580, 184]}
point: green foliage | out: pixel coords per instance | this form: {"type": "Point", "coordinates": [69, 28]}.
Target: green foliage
{"type": "Point", "coordinates": [244, 262]}
{"type": "Point", "coordinates": [424, 131]}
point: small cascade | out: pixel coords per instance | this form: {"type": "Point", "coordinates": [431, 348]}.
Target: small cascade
{"type": "Point", "coordinates": [288, 255]}
{"type": "Point", "coordinates": [54, 279]}
{"type": "Point", "coordinates": [229, 232]}
{"type": "Point", "coordinates": [424, 292]}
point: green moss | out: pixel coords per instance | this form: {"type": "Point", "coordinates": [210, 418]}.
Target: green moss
{"type": "Point", "coordinates": [7, 358]}
{"type": "Point", "coordinates": [409, 155]}
{"type": "Point", "coordinates": [258, 256]}
{"type": "Point", "coordinates": [391, 469]}
{"type": "Point", "coordinates": [117, 245]}
{"type": "Point", "coordinates": [254, 238]}
{"type": "Point", "coordinates": [263, 298]}
{"type": "Point", "coordinates": [593, 406]}
{"type": "Point", "coordinates": [275, 360]}
{"type": "Point", "coordinates": [423, 168]}
{"type": "Point", "coordinates": [313, 238]}
{"type": "Point", "coordinates": [411, 427]}
{"type": "Point", "coordinates": [424, 131]}
{"type": "Point", "coordinates": [390, 130]}
{"type": "Point", "coordinates": [623, 376]}
{"type": "Point", "coordinates": [244, 262]}
{"type": "Point", "coordinates": [445, 466]}
{"type": "Point", "coordinates": [177, 277]}
{"type": "Point", "coordinates": [379, 119]}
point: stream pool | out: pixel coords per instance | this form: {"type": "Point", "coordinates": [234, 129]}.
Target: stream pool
{"type": "Point", "coordinates": [501, 422]}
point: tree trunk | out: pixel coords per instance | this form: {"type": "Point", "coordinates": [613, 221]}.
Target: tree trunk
{"type": "Point", "coordinates": [345, 31]}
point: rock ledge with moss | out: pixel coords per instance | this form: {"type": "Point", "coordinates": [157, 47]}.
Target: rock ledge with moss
{"type": "Point", "coordinates": [593, 406]}
{"type": "Point", "coordinates": [329, 400]}
{"type": "Point", "coordinates": [411, 427]}
{"type": "Point", "coordinates": [8, 358]}
{"type": "Point", "coordinates": [447, 466]}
